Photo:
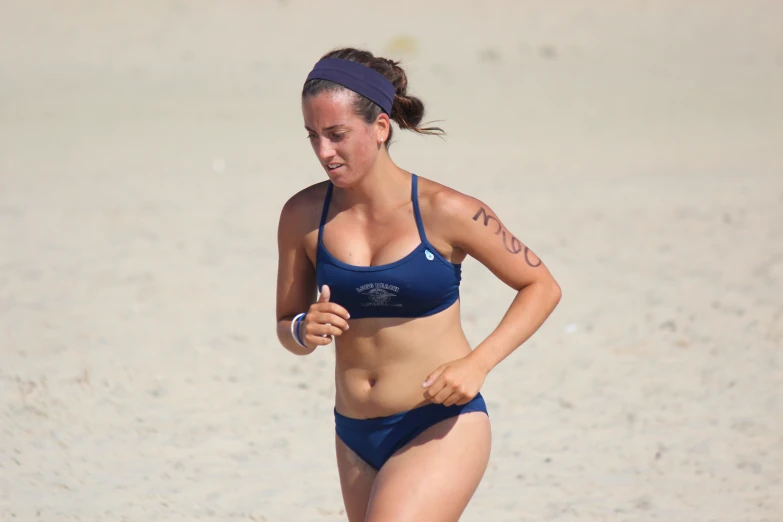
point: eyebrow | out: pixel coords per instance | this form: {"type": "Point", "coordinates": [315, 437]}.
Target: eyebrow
{"type": "Point", "coordinates": [328, 128]}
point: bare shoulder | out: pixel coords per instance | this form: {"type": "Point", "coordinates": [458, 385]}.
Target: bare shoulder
{"type": "Point", "coordinates": [302, 211]}
{"type": "Point", "coordinates": [470, 227]}
{"type": "Point", "coordinates": [445, 207]}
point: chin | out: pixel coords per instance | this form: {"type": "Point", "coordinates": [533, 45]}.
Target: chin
{"type": "Point", "coordinates": [342, 180]}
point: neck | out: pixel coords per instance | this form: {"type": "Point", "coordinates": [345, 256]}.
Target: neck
{"type": "Point", "coordinates": [385, 184]}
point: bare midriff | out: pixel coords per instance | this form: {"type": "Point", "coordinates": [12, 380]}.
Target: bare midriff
{"type": "Point", "coordinates": [382, 362]}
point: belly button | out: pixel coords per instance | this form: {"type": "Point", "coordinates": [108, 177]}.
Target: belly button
{"type": "Point", "coordinates": [372, 382]}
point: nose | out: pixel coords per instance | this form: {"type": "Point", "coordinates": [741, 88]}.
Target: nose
{"type": "Point", "coordinates": [323, 149]}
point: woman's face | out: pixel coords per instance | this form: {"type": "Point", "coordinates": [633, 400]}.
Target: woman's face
{"type": "Point", "coordinates": [345, 145]}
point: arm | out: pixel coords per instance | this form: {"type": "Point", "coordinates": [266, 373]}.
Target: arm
{"type": "Point", "coordinates": [295, 274]}
{"type": "Point", "coordinates": [296, 285]}
{"type": "Point", "coordinates": [471, 226]}
{"type": "Point", "coordinates": [479, 232]}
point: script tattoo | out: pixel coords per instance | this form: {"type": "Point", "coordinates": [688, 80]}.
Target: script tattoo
{"type": "Point", "coordinates": [487, 217]}
{"type": "Point", "coordinates": [510, 243]}
{"type": "Point", "coordinates": [527, 258]}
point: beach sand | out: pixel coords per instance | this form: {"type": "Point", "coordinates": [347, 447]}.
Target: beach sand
{"type": "Point", "coordinates": [146, 149]}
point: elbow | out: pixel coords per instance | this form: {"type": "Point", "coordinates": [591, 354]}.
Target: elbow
{"type": "Point", "coordinates": [555, 292]}
{"type": "Point", "coordinates": [545, 292]}
{"type": "Point", "coordinates": [550, 293]}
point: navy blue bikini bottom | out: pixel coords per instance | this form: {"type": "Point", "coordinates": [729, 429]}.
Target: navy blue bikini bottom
{"type": "Point", "coordinates": [377, 439]}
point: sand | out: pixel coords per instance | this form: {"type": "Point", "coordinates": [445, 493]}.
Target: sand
{"type": "Point", "coordinates": [146, 149]}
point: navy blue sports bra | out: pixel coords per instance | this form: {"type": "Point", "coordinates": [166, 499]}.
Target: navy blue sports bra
{"type": "Point", "coordinates": [420, 284]}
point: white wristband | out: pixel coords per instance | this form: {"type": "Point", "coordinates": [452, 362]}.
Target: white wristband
{"type": "Point", "coordinates": [293, 334]}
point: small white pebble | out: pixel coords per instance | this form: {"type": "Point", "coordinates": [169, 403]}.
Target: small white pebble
{"type": "Point", "coordinates": [218, 165]}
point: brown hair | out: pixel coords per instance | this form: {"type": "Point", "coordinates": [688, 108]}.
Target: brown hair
{"type": "Point", "coordinates": [407, 111]}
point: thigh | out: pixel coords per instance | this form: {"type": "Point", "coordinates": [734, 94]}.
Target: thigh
{"type": "Point", "coordinates": [356, 480]}
{"type": "Point", "coordinates": [434, 476]}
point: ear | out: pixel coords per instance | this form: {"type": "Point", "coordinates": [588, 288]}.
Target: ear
{"type": "Point", "coordinates": [382, 128]}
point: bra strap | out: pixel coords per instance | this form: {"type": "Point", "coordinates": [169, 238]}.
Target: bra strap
{"type": "Point", "coordinates": [325, 211]}
{"type": "Point", "coordinates": [416, 212]}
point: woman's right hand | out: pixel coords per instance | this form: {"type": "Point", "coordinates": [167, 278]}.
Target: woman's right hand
{"type": "Point", "coordinates": [323, 321]}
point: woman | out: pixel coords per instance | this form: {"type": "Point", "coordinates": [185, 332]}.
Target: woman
{"type": "Point", "coordinates": [385, 247]}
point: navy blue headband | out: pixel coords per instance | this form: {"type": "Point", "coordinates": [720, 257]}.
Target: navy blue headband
{"type": "Point", "coordinates": [357, 77]}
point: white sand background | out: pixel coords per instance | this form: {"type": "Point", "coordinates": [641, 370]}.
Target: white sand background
{"type": "Point", "coordinates": [146, 149]}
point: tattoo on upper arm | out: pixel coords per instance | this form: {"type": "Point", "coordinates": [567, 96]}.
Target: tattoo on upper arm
{"type": "Point", "coordinates": [510, 243]}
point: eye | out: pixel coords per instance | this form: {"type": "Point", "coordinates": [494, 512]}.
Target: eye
{"type": "Point", "coordinates": [338, 136]}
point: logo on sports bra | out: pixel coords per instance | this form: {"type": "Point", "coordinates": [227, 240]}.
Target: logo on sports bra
{"type": "Point", "coordinates": [379, 294]}
{"type": "Point", "coordinates": [430, 255]}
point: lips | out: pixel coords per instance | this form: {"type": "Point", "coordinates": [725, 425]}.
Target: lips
{"type": "Point", "coordinates": [331, 167]}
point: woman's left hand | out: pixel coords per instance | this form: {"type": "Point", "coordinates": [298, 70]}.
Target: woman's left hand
{"type": "Point", "coordinates": [456, 382]}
